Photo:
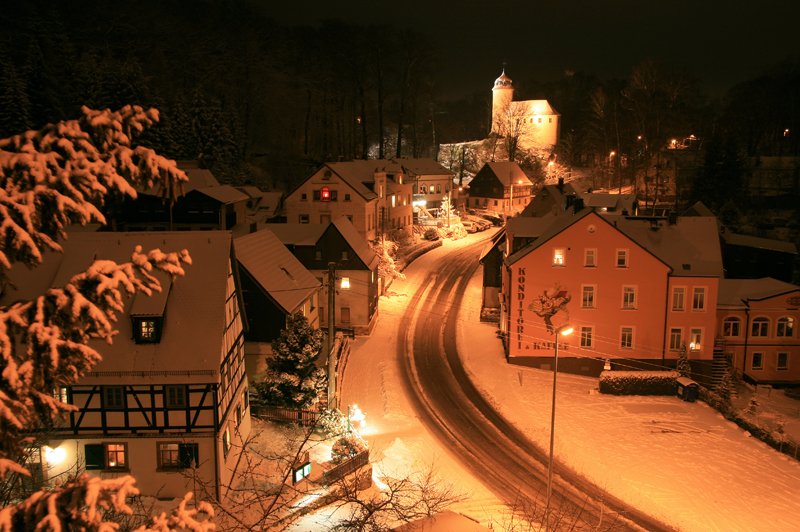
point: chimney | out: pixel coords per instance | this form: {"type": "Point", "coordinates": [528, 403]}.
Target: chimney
{"type": "Point", "coordinates": [578, 205]}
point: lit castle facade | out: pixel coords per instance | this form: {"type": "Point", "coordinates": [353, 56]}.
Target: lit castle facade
{"type": "Point", "coordinates": [535, 122]}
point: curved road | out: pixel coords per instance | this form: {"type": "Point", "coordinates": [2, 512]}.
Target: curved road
{"type": "Point", "coordinates": [453, 409]}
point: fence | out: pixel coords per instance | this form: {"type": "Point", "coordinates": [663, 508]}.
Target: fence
{"type": "Point", "coordinates": [345, 468]}
{"type": "Point", "coordinates": [281, 414]}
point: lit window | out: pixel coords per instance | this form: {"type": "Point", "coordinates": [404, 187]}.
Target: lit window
{"type": "Point", "coordinates": [61, 393]}
{"type": "Point", "coordinates": [699, 299]}
{"type": "Point", "coordinates": [695, 339]}
{"type": "Point", "coordinates": [731, 326]}
{"type": "Point", "coordinates": [345, 283]}
{"type": "Point", "coordinates": [628, 297]}
{"type": "Point", "coordinates": [758, 361]}
{"type": "Point", "coordinates": [622, 258]}
{"type": "Point", "coordinates": [760, 327]}
{"type": "Point", "coordinates": [626, 338]}
{"type": "Point", "coordinates": [782, 362]}
{"type": "Point", "coordinates": [678, 298]}
{"type": "Point", "coordinates": [587, 299]}
{"type": "Point", "coordinates": [174, 455]}
{"type": "Point", "coordinates": [147, 330]}
{"type": "Point", "coordinates": [116, 456]}
{"type": "Point", "coordinates": [586, 337]}
{"type": "Point", "coordinates": [394, 200]}
{"type": "Point", "coordinates": [785, 327]}
{"type": "Point", "coordinates": [345, 255]}
{"type": "Point", "coordinates": [675, 339]}
{"type": "Point", "coordinates": [590, 258]}
{"type": "Point", "coordinates": [226, 441]}
{"type": "Point", "coordinates": [559, 257]}
{"type": "Point", "coordinates": [175, 396]}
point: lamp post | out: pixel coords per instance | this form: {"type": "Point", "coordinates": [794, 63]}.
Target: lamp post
{"type": "Point", "coordinates": [564, 330]}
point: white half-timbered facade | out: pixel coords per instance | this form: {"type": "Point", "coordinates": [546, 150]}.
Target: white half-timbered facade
{"type": "Point", "coordinates": [169, 401]}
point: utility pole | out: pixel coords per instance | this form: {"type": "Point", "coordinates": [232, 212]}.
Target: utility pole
{"type": "Point", "coordinates": [331, 334]}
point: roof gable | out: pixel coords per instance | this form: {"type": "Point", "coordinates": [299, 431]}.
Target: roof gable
{"type": "Point", "coordinates": [274, 267]}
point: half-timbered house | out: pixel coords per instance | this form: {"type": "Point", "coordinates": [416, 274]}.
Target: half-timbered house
{"type": "Point", "coordinates": [169, 399]}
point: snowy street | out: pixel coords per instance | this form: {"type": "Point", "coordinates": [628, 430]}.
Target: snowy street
{"type": "Point", "coordinates": [680, 462]}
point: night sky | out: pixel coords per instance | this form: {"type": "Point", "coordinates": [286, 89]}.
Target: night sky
{"type": "Point", "coordinates": [719, 43]}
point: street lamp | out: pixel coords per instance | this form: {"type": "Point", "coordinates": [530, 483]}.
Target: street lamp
{"type": "Point", "coordinates": [564, 330]}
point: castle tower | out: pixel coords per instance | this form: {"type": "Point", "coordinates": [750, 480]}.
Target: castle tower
{"type": "Point", "coordinates": [502, 95]}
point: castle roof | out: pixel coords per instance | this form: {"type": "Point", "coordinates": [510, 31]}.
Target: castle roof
{"type": "Point", "coordinates": [503, 82]}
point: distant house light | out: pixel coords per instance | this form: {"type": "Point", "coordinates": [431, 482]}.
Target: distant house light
{"type": "Point", "coordinates": [345, 282]}
{"type": "Point", "coordinates": [325, 194]}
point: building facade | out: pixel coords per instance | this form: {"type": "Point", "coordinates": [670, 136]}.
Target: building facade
{"type": "Point", "coordinates": [169, 400]}
{"type": "Point", "coordinates": [635, 291]}
{"type": "Point", "coordinates": [757, 329]}
{"type": "Point", "coordinates": [534, 122]}
{"type": "Point", "coordinates": [500, 187]}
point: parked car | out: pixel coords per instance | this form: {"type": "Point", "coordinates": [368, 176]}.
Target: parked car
{"type": "Point", "coordinates": [470, 226]}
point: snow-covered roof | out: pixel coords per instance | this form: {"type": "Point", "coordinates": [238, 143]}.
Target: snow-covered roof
{"type": "Point", "coordinates": [296, 233]}
{"type": "Point", "coordinates": [690, 247]}
{"type": "Point", "coordinates": [532, 107]}
{"type": "Point", "coordinates": [357, 242]}
{"type": "Point", "coordinates": [737, 239]}
{"type": "Point", "coordinates": [274, 267]}
{"type": "Point", "coordinates": [191, 344]}
{"type": "Point", "coordinates": [423, 166]}
{"type": "Point", "coordinates": [508, 172]}
{"type": "Point", "coordinates": [225, 194]}
{"type": "Point", "coordinates": [734, 292]}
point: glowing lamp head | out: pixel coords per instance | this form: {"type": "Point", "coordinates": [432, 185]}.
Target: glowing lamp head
{"type": "Point", "coordinates": [325, 194]}
{"type": "Point", "coordinates": [55, 456]}
{"type": "Point", "coordinates": [565, 331]}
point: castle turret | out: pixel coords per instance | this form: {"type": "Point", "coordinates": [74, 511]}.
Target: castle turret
{"type": "Point", "coordinates": [502, 95]}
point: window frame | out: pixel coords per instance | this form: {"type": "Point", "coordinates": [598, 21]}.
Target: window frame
{"type": "Point", "coordinates": [591, 291]}
{"type": "Point", "coordinates": [782, 324]}
{"type": "Point", "coordinates": [590, 263]}
{"type": "Point", "coordinates": [675, 291]}
{"type": "Point", "coordinates": [701, 292]}
{"type": "Point", "coordinates": [622, 253]}
{"type": "Point", "coordinates": [626, 291]}
{"type": "Point", "coordinates": [763, 325]}
{"type": "Point", "coordinates": [785, 365]}
{"type": "Point", "coordinates": [113, 404]}
{"type": "Point", "coordinates": [587, 337]}
{"type": "Point", "coordinates": [171, 401]}
{"type": "Point", "coordinates": [104, 450]}
{"type": "Point", "coordinates": [559, 257]}
{"type": "Point", "coordinates": [696, 339]}
{"type": "Point", "coordinates": [675, 333]}
{"type": "Point", "coordinates": [626, 337]}
{"type": "Point", "coordinates": [731, 321]}
{"type": "Point", "coordinates": [760, 365]}
{"type": "Point", "coordinates": [181, 452]}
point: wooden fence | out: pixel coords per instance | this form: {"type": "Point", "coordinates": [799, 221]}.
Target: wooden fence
{"type": "Point", "coordinates": [345, 468]}
{"type": "Point", "coordinates": [281, 414]}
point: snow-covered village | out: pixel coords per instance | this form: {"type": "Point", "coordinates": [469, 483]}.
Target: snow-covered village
{"type": "Point", "coordinates": [333, 267]}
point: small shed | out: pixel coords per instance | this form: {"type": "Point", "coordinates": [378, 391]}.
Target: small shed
{"type": "Point", "coordinates": [688, 390]}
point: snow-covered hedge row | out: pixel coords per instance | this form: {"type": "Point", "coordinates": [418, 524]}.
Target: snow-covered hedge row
{"type": "Point", "coordinates": [639, 382]}
{"type": "Point", "coordinates": [418, 250]}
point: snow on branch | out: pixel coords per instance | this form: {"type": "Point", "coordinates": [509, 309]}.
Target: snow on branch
{"type": "Point", "coordinates": [61, 174]}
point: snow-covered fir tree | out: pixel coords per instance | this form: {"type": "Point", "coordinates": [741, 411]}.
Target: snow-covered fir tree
{"type": "Point", "coordinates": [682, 365]}
{"type": "Point", "coordinates": [51, 179]}
{"type": "Point", "coordinates": [293, 378]}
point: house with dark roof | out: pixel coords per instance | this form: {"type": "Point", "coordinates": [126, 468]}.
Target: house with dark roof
{"type": "Point", "coordinates": [170, 393]}
{"type": "Point", "coordinates": [500, 187]}
{"type": "Point", "coordinates": [757, 329]}
{"type": "Point", "coordinates": [204, 204]}
{"type": "Point", "coordinates": [636, 291]}
{"type": "Point", "coordinates": [375, 195]}
{"type": "Point", "coordinates": [355, 267]}
{"type": "Point", "coordinates": [275, 285]}
{"type": "Point", "coordinates": [262, 205]}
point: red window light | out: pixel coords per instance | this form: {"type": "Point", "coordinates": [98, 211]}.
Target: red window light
{"type": "Point", "coordinates": [325, 194]}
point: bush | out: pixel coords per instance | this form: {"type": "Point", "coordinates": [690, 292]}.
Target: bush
{"type": "Point", "coordinates": [346, 448]}
{"type": "Point", "coordinates": [431, 234]}
{"type": "Point", "coordinates": [639, 382]}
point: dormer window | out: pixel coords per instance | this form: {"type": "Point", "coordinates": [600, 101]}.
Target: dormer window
{"type": "Point", "coordinates": [147, 330]}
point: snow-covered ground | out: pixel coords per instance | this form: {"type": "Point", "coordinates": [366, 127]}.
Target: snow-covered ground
{"type": "Point", "coordinates": [681, 462]}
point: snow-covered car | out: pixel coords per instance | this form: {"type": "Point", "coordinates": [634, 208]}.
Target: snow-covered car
{"type": "Point", "coordinates": [470, 226]}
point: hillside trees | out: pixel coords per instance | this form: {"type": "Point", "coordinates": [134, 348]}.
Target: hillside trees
{"type": "Point", "coordinates": [51, 179]}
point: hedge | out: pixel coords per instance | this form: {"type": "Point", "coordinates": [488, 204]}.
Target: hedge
{"type": "Point", "coordinates": [639, 382]}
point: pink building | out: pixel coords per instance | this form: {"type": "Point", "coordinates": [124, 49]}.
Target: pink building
{"type": "Point", "coordinates": [634, 290]}
{"type": "Point", "coordinates": [757, 329]}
